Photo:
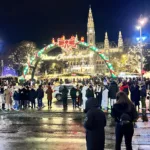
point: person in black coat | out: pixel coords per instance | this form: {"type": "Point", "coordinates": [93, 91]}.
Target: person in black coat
{"type": "Point", "coordinates": [125, 115]}
{"type": "Point", "coordinates": [143, 94]}
{"type": "Point", "coordinates": [98, 92]}
{"type": "Point", "coordinates": [113, 89]}
{"type": "Point", "coordinates": [94, 124]}
{"type": "Point", "coordinates": [27, 96]}
{"type": "Point", "coordinates": [135, 94]}
{"type": "Point", "coordinates": [22, 93]}
{"type": "Point", "coordinates": [32, 97]}
{"type": "Point", "coordinates": [79, 97]}
{"type": "Point", "coordinates": [90, 92]}
{"type": "Point", "coordinates": [40, 95]}
{"type": "Point", "coordinates": [16, 97]}
{"type": "Point", "coordinates": [2, 98]}
{"type": "Point", "coordinates": [63, 89]}
{"type": "Point", "coordinates": [73, 95]}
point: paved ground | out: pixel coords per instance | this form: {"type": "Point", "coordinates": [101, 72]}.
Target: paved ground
{"type": "Point", "coordinates": [57, 130]}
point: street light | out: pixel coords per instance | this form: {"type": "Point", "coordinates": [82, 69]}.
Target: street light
{"type": "Point", "coordinates": [138, 27]}
{"type": "Point", "coordinates": [142, 21]}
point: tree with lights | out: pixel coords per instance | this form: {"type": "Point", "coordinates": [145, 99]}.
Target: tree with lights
{"type": "Point", "coordinates": [147, 60]}
{"type": "Point", "coordinates": [147, 63]}
{"type": "Point", "coordinates": [21, 53]}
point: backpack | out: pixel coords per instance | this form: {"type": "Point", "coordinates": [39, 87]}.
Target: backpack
{"type": "Point", "coordinates": [125, 119]}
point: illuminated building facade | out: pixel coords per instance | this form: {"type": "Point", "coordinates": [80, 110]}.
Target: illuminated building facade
{"type": "Point", "coordinates": [83, 60]}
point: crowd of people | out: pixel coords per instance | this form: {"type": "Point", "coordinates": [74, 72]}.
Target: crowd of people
{"type": "Point", "coordinates": [23, 97]}
{"type": "Point", "coordinates": [103, 89]}
{"type": "Point", "coordinates": [94, 97]}
{"type": "Point", "coordinates": [125, 97]}
{"type": "Point", "coordinates": [105, 92]}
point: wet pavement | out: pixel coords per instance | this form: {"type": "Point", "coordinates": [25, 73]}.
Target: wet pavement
{"type": "Point", "coordinates": [54, 129]}
{"type": "Point", "coordinates": [58, 131]}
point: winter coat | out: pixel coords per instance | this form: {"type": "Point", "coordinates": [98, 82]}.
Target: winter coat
{"type": "Point", "coordinates": [7, 95]}
{"type": "Point", "coordinates": [98, 92]}
{"type": "Point", "coordinates": [32, 95]}
{"type": "Point", "coordinates": [148, 84]}
{"type": "Point", "coordinates": [120, 108]}
{"type": "Point", "coordinates": [49, 93]}
{"type": "Point", "coordinates": [2, 100]}
{"type": "Point", "coordinates": [27, 94]}
{"type": "Point", "coordinates": [73, 92]}
{"type": "Point", "coordinates": [89, 93]}
{"type": "Point", "coordinates": [84, 98]}
{"type": "Point", "coordinates": [84, 89]}
{"type": "Point", "coordinates": [64, 92]}
{"type": "Point", "coordinates": [113, 89]}
{"type": "Point", "coordinates": [143, 91]}
{"type": "Point", "coordinates": [94, 124]}
{"type": "Point", "coordinates": [16, 96]}
{"type": "Point", "coordinates": [22, 93]}
{"type": "Point", "coordinates": [40, 93]}
{"type": "Point", "coordinates": [135, 94]}
{"type": "Point", "coordinates": [1, 90]}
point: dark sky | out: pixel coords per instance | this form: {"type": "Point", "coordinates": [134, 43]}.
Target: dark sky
{"type": "Point", "coordinates": [40, 20]}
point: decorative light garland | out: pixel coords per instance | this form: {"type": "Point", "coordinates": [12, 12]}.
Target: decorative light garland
{"type": "Point", "coordinates": [95, 49]}
{"type": "Point", "coordinates": [71, 43]}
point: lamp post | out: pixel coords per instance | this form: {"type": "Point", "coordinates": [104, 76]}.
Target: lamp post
{"type": "Point", "coordinates": [2, 65]}
{"type": "Point", "coordinates": [140, 46]}
{"type": "Point", "coordinates": [142, 21]}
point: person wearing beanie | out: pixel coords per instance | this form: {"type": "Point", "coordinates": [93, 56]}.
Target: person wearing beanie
{"type": "Point", "coordinates": [94, 124]}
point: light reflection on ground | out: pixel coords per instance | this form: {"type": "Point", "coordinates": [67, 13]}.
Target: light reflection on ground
{"type": "Point", "coordinates": [57, 130]}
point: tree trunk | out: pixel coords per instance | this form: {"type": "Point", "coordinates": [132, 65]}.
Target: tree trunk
{"type": "Point", "coordinates": [34, 69]}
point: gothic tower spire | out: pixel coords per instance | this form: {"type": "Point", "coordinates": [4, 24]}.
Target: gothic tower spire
{"type": "Point", "coordinates": [106, 41]}
{"type": "Point", "coordinates": [120, 40]}
{"type": "Point", "coordinates": [90, 29]}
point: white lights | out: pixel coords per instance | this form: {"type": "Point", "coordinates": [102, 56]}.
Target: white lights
{"type": "Point", "coordinates": [138, 27]}
{"type": "Point", "coordinates": [143, 21]}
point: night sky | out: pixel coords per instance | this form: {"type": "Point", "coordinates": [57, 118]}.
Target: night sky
{"type": "Point", "coordinates": [40, 20]}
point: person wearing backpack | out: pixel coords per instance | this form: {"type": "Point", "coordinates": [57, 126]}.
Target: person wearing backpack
{"type": "Point", "coordinates": [125, 115]}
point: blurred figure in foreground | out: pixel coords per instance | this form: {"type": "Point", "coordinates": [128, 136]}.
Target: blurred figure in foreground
{"type": "Point", "coordinates": [94, 124]}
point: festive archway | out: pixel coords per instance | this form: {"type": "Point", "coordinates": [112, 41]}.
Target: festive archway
{"type": "Point", "coordinates": [65, 44]}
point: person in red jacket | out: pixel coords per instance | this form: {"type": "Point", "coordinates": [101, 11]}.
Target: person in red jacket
{"type": "Point", "coordinates": [125, 87]}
